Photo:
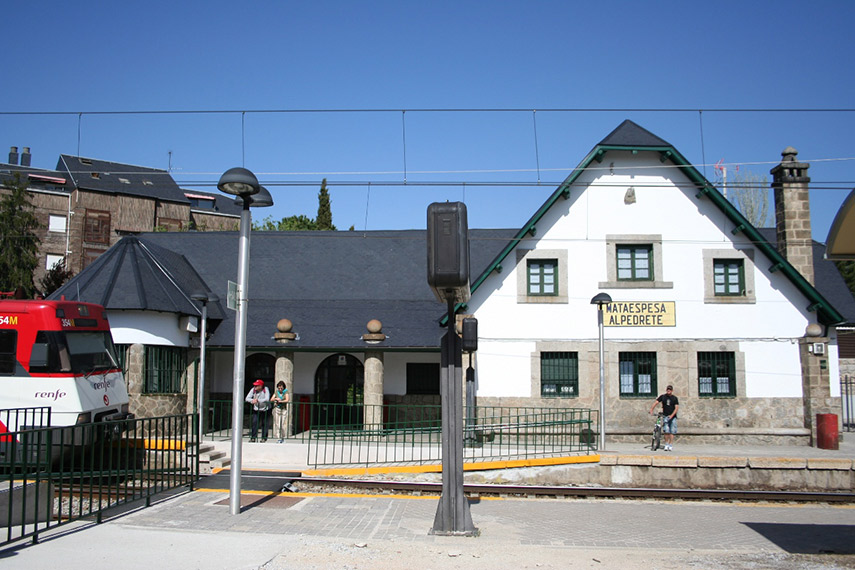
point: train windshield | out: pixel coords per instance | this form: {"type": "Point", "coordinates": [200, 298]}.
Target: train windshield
{"type": "Point", "coordinates": [73, 351]}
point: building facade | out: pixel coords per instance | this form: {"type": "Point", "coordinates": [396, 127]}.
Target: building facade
{"type": "Point", "coordinates": [86, 205]}
{"type": "Point", "coordinates": [741, 321]}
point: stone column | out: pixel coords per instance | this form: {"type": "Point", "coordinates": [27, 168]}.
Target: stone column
{"type": "Point", "coordinates": [134, 379]}
{"type": "Point", "coordinates": [816, 382]}
{"type": "Point", "coordinates": [284, 372]}
{"type": "Point", "coordinates": [372, 391]}
{"type": "Point", "coordinates": [372, 395]}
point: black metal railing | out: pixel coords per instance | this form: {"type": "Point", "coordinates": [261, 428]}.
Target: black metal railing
{"type": "Point", "coordinates": [51, 476]}
{"type": "Point", "coordinates": [412, 435]}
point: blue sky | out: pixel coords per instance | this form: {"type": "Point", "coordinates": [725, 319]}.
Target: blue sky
{"type": "Point", "coordinates": [728, 59]}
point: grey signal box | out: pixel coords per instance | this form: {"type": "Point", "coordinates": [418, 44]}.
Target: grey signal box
{"type": "Point", "coordinates": [448, 251]}
{"type": "Point", "coordinates": [470, 334]}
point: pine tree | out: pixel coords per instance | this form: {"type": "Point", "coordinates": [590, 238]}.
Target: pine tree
{"type": "Point", "coordinates": [19, 244]}
{"type": "Point", "coordinates": [324, 219]}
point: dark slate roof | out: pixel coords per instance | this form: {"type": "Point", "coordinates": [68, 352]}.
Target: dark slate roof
{"type": "Point", "coordinates": [328, 284]}
{"type": "Point", "coordinates": [37, 178]}
{"type": "Point", "coordinates": [223, 203]}
{"type": "Point", "coordinates": [631, 134]}
{"type": "Point", "coordinates": [118, 178]}
{"type": "Point", "coordinates": [826, 276]}
{"type": "Point", "coordinates": [136, 274]}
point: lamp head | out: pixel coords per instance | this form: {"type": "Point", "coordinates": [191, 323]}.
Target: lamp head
{"type": "Point", "coordinates": [601, 299]}
{"type": "Point", "coordinates": [204, 297]}
{"type": "Point", "coordinates": [262, 199]}
{"type": "Point", "coordinates": [238, 182]}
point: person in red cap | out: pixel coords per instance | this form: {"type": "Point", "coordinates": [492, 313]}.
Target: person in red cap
{"type": "Point", "coordinates": [259, 397]}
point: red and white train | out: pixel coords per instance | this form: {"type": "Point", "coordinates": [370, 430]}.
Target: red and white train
{"type": "Point", "coordinates": [58, 355]}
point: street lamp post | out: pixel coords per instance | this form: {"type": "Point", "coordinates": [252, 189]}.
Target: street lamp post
{"type": "Point", "coordinates": [599, 300]}
{"type": "Point", "coordinates": [242, 183]}
{"type": "Point", "coordinates": [204, 298]}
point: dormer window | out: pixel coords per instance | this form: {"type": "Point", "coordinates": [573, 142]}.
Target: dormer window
{"type": "Point", "coordinates": [95, 175]}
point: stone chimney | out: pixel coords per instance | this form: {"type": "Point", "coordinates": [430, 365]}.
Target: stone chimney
{"type": "Point", "coordinates": [13, 155]}
{"type": "Point", "coordinates": [792, 212]}
{"type": "Point", "coordinates": [26, 156]}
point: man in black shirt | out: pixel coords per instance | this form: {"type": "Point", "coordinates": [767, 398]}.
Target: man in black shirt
{"type": "Point", "coordinates": [670, 405]}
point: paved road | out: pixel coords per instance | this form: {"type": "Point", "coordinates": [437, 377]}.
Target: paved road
{"type": "Point", "coordinates": [278, 532]}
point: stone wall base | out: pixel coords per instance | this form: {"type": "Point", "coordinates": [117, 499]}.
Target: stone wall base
{"type": "Point", "coordinates": [667, 472]}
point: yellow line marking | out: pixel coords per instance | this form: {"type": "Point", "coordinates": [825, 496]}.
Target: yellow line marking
{"type": "Point", "coordinates": [481, 466]}
{"type": "Point", "coordinates": [346, 495]}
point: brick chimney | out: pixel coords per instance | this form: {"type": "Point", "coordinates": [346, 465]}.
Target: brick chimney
{"type": "Point", "coordinates": [792, 212]}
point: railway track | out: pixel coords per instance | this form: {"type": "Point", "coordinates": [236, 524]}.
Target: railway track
{"type": "Point", "coordinates": [314, 484]}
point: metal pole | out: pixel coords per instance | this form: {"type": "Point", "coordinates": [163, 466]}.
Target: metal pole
{"type": "Point", "coordinates": [201, 405]}
{"type": "Point", "coordinates": [240, 356]}
{"type": "Point", "coordinates": [602, 381]}
{"type": "Point", "coordinates": [452, 514]}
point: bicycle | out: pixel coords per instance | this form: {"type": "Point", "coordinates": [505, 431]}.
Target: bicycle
{"type": "Point", "coordinates": [657, 432]}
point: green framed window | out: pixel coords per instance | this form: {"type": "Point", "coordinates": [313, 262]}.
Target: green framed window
{"type": "Point", "coordinates": [542, 277]}
{"type": "Point", "coordinates": [716, 374]}
{"type": "Point", "coordinates": [164, 369]}
{"type": "Point", "coordinates": [637, 374]}
{"type": "Point", "coordinates": [559, 374]}
{"type": "Point", "coordinates": [635, 262]}
{"type": "Point", "coordinates": [728, 277]}
{"type": "Point", "coordinates": [423, 378]}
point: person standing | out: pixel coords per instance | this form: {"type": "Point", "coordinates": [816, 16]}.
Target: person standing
{"type": "Point", "coordinates": [670, 405]}
{"type": "Point", "coordinates": [259, 397]}
{"type": "Point", "coordinates": [280, 400]}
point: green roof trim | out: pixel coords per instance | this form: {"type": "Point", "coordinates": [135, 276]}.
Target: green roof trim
{"type": "Point", "coordinates": [826, 314]}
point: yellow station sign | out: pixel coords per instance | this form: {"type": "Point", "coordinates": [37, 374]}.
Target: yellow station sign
{"type": "Point", "coordinates": [640, 314]}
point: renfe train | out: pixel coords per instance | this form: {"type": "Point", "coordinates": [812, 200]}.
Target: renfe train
{"type": "Point", "coordinates": [59, 354]}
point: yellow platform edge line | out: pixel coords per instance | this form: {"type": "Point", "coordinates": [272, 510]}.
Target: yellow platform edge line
{"type": "Point", "coordinates": [480, 466]}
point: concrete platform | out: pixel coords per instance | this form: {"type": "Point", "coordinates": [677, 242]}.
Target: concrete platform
{"type": "Point", "coordinates": [800, 468]}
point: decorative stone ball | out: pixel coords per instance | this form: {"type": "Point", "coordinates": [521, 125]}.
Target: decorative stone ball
{"type": "Point", "coordinates": [374, 326]}
{"type": "Point", "coordinates": [284, 325]}
{"type": "Point", "coordinates": [813, 329]}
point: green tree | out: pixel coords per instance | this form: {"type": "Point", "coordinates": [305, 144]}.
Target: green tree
{"type": "Point", "coordinates": [324, 219]}
{"type": "Point", "coordinates": [301, 222]}
{"type": "Point", "coordinates": [55, 277]}
{"type": "Point", "coordinates": [289, 224]}
{"type": "Point", "coordinates": [19, 244]}
{"type": "Point", "coordinates": [847, 270]}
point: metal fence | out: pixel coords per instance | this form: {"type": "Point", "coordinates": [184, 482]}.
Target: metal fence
{"type": "Point", "coordinates": [342, 434]}
{"type": "Point", "coordinates": [412, 435]}
{"type": "Point", "coordinates": [51, 476]}
{"type": "Point", "coordinates": [847, 397]}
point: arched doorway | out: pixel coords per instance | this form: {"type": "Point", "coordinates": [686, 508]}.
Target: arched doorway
{"type": "Point", "coordinates": [339, 382]}
{"type": "Point", "coordinates": [257, 366]}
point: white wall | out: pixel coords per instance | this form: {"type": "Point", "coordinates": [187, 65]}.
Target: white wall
{"type": "Point", "coordinates": [665, 204]}
{"type": "Point", "coordinates": [146, 327]}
